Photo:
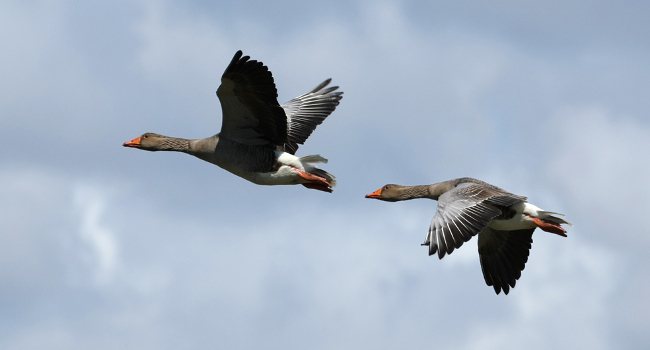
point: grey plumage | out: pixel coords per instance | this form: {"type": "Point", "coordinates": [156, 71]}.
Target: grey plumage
{"type": "Point", "coordinates": [463, 211]}
{"type": "Point", "coordinates": [456, 221]}
{"type": "Point", "coordinates": [255, 127]}
{"type": "Point", "coordinates": [467, 210]}
{"type": "Point", "coordinates": [466, 207]}
{"type": "Point", "coordinates": [248, 158]}
{"type": "Point", "coordinates": [307, 111]}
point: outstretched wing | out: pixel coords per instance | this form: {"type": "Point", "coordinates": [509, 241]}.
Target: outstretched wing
{"type": "Point", "coordinates": [249, 102]}
{"type": "Point", "coordinates": [464, 212]}
{"type": "Point", "coordinates": [503, 256]}
{"type": "Point", "coordinates": [306, 112]}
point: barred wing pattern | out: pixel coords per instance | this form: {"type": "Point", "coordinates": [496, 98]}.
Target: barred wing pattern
{"type": "Point", "coordinates": [464, 212]}
{"type": "Point", "coordinates": [304, 113]}
{"type": "Point", "coordinates": [503, 256]}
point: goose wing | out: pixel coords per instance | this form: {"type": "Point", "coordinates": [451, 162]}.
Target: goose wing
{"type": "Point", "coordinates": [249, 102]}
{"type": "Point", "coordinates": [503, 256]}
{"type": "Point", "coordinates": [464, 212]}
{"type": "Point", "coordinates": [305, 112]}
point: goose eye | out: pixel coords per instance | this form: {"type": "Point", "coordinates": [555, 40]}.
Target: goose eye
{"type": "Point", "coordinates": [386, 187]}
{"type": "Point", "coordinates": [145, 136]}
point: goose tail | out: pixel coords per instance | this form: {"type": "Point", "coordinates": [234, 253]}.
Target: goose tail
{"type": "Point", "coordinates": [309, 163]}
{"type": "Point", "coordinates": [548, 215]}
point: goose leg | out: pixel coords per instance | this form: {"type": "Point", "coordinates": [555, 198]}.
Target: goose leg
{"type": "Point", "coordinates": [315, 182]}
{"type": "Point", "coordinates": [549, 226]}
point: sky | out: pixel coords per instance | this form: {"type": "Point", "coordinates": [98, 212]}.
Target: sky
{"type": "Point", "coordinates": [106, 247]}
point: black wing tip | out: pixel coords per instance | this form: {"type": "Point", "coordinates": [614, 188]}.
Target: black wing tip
{"type": "Point", "coordinates": [235, 60]}
{"type": "Point", "coordinates": [238, 55]}
{"type": "Point", "coordinates": [432, 249]}
{"type": "Point", "coordinates": [238, 58]}
{"type": "Point", "coordinates": [495, 281]}
{"type": "Point", "coordinates": [497, 289]}
{"type": "Point", "coordinates": [498, 284]}
{"type": "Point", "coordinates": [506, 289]}
{"type": "Point", "coordinates": [332, 94]}
{"type": "Point", "coordinates": [321, 88]}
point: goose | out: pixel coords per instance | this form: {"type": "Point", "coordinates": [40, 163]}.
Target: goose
{"type": "Point", "coordinates": [503, 221]}
{"type": "Point", "coordinates": [259, 137]}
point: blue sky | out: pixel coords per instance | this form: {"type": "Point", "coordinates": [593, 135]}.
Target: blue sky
{"type": "Point", "coordinates": [105, 247]}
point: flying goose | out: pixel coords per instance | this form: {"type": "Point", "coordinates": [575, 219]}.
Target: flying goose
{"type": "Point", "coordinates": [504, 222]}
{"type": "Point", "coordinates": [259, 137]}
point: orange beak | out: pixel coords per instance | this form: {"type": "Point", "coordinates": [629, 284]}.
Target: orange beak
{"type": "Point", "coordinates": [135, 143]}
{"type": "Point", "coordinates": [376, 194]}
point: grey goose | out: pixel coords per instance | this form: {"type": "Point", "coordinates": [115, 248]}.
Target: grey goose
{"type": "Point", "coordinates": [503, 221]}
{"type": "Point", "coordinates": [259, 137]}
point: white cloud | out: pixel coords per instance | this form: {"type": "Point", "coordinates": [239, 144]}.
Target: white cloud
{"type": "Point", "coordinates": [341, 276]}
{"type": "Point", "coordinates": [46, 86]}
{"type": "Point", "coordinates": [605, 158]}
{"type": "Point", "coordinates": [563, 299]}
{"type": "Point", "coordinates": [90, 205]}
{"type": "Point", "coordinates": [175, 46]}
{"type": "Point", "coordinates": [192, 256]}
{"type": "Point", "coordinates": [41, 337]}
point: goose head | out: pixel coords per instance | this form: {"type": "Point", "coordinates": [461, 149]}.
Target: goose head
{"type": "Point", "coordinates": [154, 142]}
{"type": "Point", "coordinates": [390, 193]}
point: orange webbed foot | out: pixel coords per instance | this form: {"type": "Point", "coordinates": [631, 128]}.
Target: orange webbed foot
{"type": "Point", "coordinates": [549, 226]}
{"type": "Point", "coordinates": [315, 182]}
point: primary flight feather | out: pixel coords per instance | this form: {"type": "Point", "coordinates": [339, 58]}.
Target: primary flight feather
{"type": "Point", "coordinates": [259, 137]}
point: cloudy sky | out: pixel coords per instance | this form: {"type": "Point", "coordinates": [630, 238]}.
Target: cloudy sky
{"type": "Point", "coordinates": [104, 247]}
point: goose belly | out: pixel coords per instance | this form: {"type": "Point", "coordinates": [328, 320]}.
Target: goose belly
{"type": "Point", "coordinates": [285, 175]}
{"type": "Point", "coordinates": [259, 165]}
{"type": "Point", "coordinates": [519, 221]}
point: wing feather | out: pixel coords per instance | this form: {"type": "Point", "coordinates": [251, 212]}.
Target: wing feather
{"type": "Point", "coordinates": [305, 112]}
{"type": "Point", "coordinates": [249, 102]}
{"type": "Point", "coordinates": [503, 256]}
{"type": "Point", "coordinates": [463, 212]}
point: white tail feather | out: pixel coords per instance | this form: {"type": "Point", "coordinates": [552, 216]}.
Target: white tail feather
{"type": "Point", "coordinates": [314, 159]}
{"type": "Point", "coordinates": [553, 218]}
{"type": "Point", "coordinates": [549, 212]}
{"type": "Point", "coordinates": [309, 161]}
